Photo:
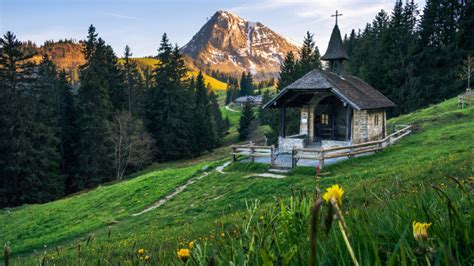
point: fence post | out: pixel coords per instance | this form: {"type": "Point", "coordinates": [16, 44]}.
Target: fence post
{"type": "Point", "coordinates": [233, 154]}
{"type": "Point", "coordinates": [272, 155]}
{"type": "Point", "coordinates": [293, 160]}
{"type": "Point", "coordinates": [252, 150]}
{"type": "Point", "coordinates": [321, 159]}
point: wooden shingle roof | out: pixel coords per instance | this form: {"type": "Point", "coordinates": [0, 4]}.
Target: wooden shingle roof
{"type": "Point", "coordinates": [350, 89]}
{"type": "Point", "coordinates": [335, 47]}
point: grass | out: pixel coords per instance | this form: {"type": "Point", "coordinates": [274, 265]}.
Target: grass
{"type": "Point", "coordinates": [32, 226]}
{"type": "Point", "coordinates": [266, 220]}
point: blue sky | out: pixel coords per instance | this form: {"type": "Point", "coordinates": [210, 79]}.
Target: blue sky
{"type": "Point", "coordinates": [141, 23]}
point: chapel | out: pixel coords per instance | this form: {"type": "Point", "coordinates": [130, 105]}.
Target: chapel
{"type": "Point", "coordinates": [336, 109]}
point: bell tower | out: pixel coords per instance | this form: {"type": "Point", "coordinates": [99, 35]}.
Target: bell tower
{"type": "Point", "coordinates": [335, 53]}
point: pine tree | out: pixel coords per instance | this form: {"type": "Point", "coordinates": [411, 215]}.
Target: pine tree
{"type": "Point", "coordinates": [67, 114]}
{"type": "Point", "coordinates": [204, 129]}
{"type": "Point", "coordinates": [246, 123]}
{"type": "Point", "coordinates": [168, 109]}
{"type": "Point", "coordinates": [44, 182]}
{"type": "Point", "coordinates": [287, 71]}
{"type": "Point", "coordinates": [309, 57]}
{"type": "Point", "coordinates": [244, 86]}
{"type": "Point", "coordinates": [134, 85]}
{"type": "Point", "coordinates": [249, 83]}
{"type": "Point", "coordinates": [29, 159]}
{"type": "Point", "coordinates": [94, 110]}
{"type": "Point", "coordinates": [232, 91]}
{"type": "Point", "coordinates": [221, 127]}
{"type": "Point", "coordinates": [115, 79]}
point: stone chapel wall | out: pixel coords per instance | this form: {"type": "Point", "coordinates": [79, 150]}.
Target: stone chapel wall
{"type": "Point", "coordinates": [375, 125]}
{"type": "Point", "coordinates": [359, 126]}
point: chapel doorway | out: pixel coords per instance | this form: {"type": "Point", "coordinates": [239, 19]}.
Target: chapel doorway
{"type": "Point", "coordinates": [332, 120]}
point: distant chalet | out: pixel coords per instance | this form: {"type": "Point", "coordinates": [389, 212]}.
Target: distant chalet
{"type": "Point", "coordinates": [334, 107]}
{"type": "Point", "coordinates": [250, 100]}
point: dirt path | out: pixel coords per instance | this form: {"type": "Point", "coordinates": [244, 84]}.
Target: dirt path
{"type": "Point", "coordinates": [230, 109]}
{"type": "Point", "coordinates": [266, 175]}
{"type": "Point", "coordinates": [180, 189]}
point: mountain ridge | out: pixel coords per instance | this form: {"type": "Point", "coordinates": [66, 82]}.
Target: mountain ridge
{"type": "Point", "coordinates": [229, 43]}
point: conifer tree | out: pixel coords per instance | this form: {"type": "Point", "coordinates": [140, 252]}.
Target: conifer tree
{"type": "Point", "coordinates": [168, 109]}
{"type": "Point", "coordinates": [287, 71]}
{"type": "Point", "coordinates": [94, 110]}
{"type": "Point", "coordinates": [244, 86]}
{"type": "Point", "coordinates": [221, 127]}
{"type": "Point", "coordinates": [134, 85]}
{"type": "Point", "coordinates": [232, 91]}
{"type": "Point", "coordinates": [67, 114]}
{"type": "Point", "coordinates": [204, 128]}
{"type": "Point", "coordinates": [309, 57]}
{"type": "Point", "coordinates": [246, 122]}
{"type": "Point", "coordinates": [29, 159]}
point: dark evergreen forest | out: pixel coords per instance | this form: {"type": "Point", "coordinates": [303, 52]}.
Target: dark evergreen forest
{"type": "Point", "coordinates": [57, 139]}
{"type": "Point", "coordinates": [415, 60]}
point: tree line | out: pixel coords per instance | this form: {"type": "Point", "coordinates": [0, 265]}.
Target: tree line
{"type": "Point", "coordinates": [414, 60]}
{"type": "Point", "coordinates": [56, 139]}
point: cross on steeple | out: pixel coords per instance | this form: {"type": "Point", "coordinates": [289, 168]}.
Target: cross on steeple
{"type": "Point", "coordinates": [336, 15]}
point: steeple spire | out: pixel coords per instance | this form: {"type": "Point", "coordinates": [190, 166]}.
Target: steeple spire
{"type": "Point", "coordinates": [335, 54]}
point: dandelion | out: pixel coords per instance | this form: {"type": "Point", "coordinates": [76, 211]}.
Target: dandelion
{"type": "Point", "coordinates": [222, 234]}
{"type": "Point", "coordinates": [335, 192]}
{"type": "Point", "coordinates": [420, 230]}
{"type": "Point", "coordinates": [147, 258]}
{"type": "Point", "coordinates": [183, 254]}
{"type": "Point", "coordinates": [191, 244]}
{"type": "Point", "coordinates": [141, 251]}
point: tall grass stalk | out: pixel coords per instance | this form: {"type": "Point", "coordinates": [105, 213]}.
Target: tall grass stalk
{"type": "Point", "coordinates": [6, 254]}
{"type": "Point", "coordinates": [343, 228]}
{"type": "Point", "coordinates": [314, 231]}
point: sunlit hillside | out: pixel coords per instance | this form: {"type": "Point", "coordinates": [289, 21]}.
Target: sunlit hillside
{"type": "Point", "coordinates": [239, 215]}
{"type": "Point", "coordinates": [146, 62]}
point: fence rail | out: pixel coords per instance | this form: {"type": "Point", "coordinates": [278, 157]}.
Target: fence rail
{"type": "Point", "coordinates": [320, 154]}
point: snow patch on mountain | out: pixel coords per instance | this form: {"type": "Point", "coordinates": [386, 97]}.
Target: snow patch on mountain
{"type": "Point", "coordinates": [231, 44]}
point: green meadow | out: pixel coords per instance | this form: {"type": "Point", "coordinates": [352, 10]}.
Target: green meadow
{"type": "Point", "coordinates": [238, 217]}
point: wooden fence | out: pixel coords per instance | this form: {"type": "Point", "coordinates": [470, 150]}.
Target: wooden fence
{"type": "Point", "coordinates": [253, 151]}
{"type": "Point", "coordinates": [465, 98]}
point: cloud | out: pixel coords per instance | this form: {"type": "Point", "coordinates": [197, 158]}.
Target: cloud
{"type": "Point", "coordinates": [315, 15]}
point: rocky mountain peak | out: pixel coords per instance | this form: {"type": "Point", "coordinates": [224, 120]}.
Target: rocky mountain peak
{"type": "Point", "coordinates": [231, 44]}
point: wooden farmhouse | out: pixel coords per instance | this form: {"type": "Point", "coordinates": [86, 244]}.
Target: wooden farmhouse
{"type": "Point", "coordinates": [336, 109]}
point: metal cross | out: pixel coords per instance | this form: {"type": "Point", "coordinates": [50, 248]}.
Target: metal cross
{"type": "Point", "coordinates": [336, 15]}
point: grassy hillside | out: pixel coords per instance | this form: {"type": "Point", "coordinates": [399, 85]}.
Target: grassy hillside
{"type": "Point", "coordinates": [145, 62]}
{"type": "Point", "coordinates": [238, 216]}
{"type": "Point", "coordinates": [33, 226]}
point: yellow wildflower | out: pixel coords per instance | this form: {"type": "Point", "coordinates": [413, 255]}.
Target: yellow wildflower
{"type": "Point", "coordinates": [183, 254]}
{"type": "Point", "coordinates": [141, 251]}
{"type": "Point", "coordinates": [420, 230]}
{"type": "Point", "coordinates": [222, 234]}
{"type": "Point", "coordinates": [335, 192]}
{"type": "Point", "coordinates": [191, 244]}
{"type": "Point", "coordinates": [147, 258]}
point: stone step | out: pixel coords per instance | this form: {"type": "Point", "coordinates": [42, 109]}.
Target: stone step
{"type": "Point", "coordinates": [279, 170]}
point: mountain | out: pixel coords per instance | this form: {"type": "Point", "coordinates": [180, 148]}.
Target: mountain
{"type": "Point", "coordinates": [231, 44]}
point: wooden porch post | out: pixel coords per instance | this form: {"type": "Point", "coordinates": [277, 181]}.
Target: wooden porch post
{"type": "Point", "coordinates": [282, 121]}
{"type": "Point", "coordinates": [348, 123]}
